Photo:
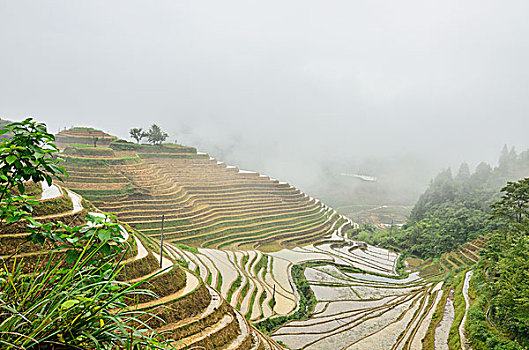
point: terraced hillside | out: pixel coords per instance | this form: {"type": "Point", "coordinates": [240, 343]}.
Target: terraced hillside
{"type": "Point", "coordinates": [251, 279]}
{"type": "Point", "coordinates": [205, 202]}
{"type": "Point", "coordinates": [84, 136]}
{"type": "Point", "coordinates": [190, 313]}
{"type": "Point", "coordinates": [241, 234]}
{"type": "Point", "coordinates": [463, 258]}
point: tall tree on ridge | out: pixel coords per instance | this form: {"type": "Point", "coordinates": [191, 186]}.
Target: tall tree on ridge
{"type": "Point", "coordinates": [155, 135]}
{"type": "Point", "coordinates": [137, 134]}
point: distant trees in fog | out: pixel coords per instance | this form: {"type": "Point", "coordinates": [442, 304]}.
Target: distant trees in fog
{"type": "Point", "coordinates": [137, 134]}
{"type": "Point", "coordinates": [155, 135]}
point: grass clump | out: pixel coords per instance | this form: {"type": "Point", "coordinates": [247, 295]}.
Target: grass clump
{"type": "Point", "coordinates": [188, 248]}
{"type": "Point", "coordinates": [252, 300]}
{"type": "Point", "coordinates": [219, 282]}
{"type": "Point", "coordinates": [73, 305]}
{"type": "Point", "coordinates": [261, 264]}
{"type": "Point", "coordinates": [236, 284]}
{"type": "Point", "coordinates": [243, 293]}
{"type": "Point", "coordinates": [89, 151]}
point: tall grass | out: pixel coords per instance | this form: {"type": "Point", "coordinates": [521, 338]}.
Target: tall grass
{"type": "Point", "coordinates": [56, 304]}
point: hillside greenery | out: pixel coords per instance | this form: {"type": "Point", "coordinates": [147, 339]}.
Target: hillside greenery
{"type": "Point", "coordinates": [499, 316]}
{"type": "Point", "coordinates": [454, 209]}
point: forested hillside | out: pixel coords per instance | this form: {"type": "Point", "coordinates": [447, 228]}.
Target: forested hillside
{"type": "Point", "coordinates": [499, 316]}
{"type": "Point", "coordinates": [455, 209]}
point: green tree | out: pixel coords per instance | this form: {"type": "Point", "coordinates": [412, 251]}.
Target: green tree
{"type": "Point", "coordinates": [464, 172]}
{"type": "Point", "coordinates": [481, 175]}
{"type": "Point", "coordinates": [507, 259]}
{"type": "Point", "coordinates": [513, 207]}
{"type": "Point", "coordinates": [137, 134]}
{"type": "Point", "coordinates": [156, 135]}
{"type": "Point", "coordinates": [27, 155]}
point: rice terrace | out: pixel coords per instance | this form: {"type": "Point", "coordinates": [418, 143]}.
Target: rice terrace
{"type": "Point", "coordinates": [247, 261]}
{"type": "Point", "coordinates": [264, 175]}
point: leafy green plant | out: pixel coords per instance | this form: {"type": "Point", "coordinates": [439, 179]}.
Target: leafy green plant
{"type": "Point", "coordinates": [26, 155]}
{"type": "Point", "coordinates": [103, 233]}
{"type": "Point", "coordinates": [79, 305]}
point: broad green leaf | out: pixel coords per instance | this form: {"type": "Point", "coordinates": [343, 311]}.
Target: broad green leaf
{"type": "Point", "coordinates": [68, 304]}
{"type": "Point", "coordinates": [104, 235]}
{"type": "Point", "coordinates": [11, 159]}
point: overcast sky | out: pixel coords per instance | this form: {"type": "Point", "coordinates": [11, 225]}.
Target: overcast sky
{"type": "Point", "coordinates": [277, 85]}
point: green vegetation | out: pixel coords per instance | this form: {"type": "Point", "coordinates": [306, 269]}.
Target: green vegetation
{"type": "Point", "coordinates": [307, 302]}
{"type": "Point", "coordinates": [79, 145]}
{"type": "Point", "coordinates": [89, 151]}
{"type": "Point", "coordinates": [252, 300]}
{"type": "Point", "coordinates": [137, 134]}
{"type": "Point", "coordinates": [156, 135]}
{"type": "Point", "coordinates": [499, 317]}
{"type": "Point", "coordinates": [261, 264]}
{"type": "Point", "coordinates": [53, 206]}
{"type": "Point", "coordinates": [481, 330]}
{"type": "Point", "coordinates": [122, 145]}
{"type": "Point", "coordinates": [429, 339]}
{"type": "Point", "coordinates": [209, 279]}
{"type": "Point", "coordinates": [454, 210]}
{"type": "Point", "coordinates": [262, 298]}
{"type": "Point", "coordinates": [376, 214]}
{"type": "Point", "coordinates": [84, 128]}
{"type": "Point", "coordinates": [171, 155]}
{"type": "Point", "coordinates": [188, 248]}
{"type": "Point", "coordinates": [98, 162]}
{"type": "Point", "coordinates": [236, 284]}
{"type": "Point", "coordinates": [243, 293]}
{"type": "Point", "coordinates": [26, 156]}
{"type": "Point", "coordinates": [30, 189]}
{"type": "Point", "coordinates": [72, 299]}
{"type": "Point", "coordinates": [244, 261]}
{"type": "Point", "coordinates": [219, 282]}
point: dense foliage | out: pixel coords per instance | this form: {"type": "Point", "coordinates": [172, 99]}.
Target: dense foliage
{"type": "Point", "coordinates": [156, 135]}
{"type": "Point", "coordinates": [71, 300]}
{"type": "Point", "coordinates": [137, 134]}
{"type": "Point", "coordinates": [454, 209]}
{"type": "Point", "coordinates": [26, 155]}
{"type": "Point", "coordinates": [499, 318]}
